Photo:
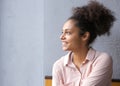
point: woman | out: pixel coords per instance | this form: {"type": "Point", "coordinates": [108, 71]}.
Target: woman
{"type": "Point", "coordinates": [83, 65]}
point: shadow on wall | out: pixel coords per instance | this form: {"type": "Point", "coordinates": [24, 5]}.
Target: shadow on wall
{"type": "Point", "coordinates": [1, 69]}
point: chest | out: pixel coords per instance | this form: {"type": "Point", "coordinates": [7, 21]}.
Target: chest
{"type": "Point", "coordinates": [74, 76]}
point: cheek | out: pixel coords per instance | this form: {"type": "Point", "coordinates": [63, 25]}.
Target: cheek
{"type": "Point", "coordinates": [75, 41]}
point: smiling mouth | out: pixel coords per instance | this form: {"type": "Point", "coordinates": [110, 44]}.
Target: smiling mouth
{"type": "Point", "coordinates": [64, 43]}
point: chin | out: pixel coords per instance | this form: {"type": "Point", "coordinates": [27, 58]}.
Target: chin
{"type": "Point", "coordinates": [65, 49]}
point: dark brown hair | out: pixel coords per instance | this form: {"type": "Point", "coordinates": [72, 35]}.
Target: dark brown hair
{"type": "Point", "coordinates": [93, 18]}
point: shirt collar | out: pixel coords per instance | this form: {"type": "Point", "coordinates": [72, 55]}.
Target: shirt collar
{"type": "Point", "coordinates": [67, 58]}
{"type": "Point", "coordinates": [90, 56]}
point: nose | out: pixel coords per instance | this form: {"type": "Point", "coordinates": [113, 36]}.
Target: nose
{"type": "Point", "coordinates": [62, 37]}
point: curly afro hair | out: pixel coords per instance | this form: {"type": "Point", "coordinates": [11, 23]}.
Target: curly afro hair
{"type": "Point", "coordinates": [93, 18]}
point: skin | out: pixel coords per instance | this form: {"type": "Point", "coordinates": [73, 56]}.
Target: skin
{"type": "Point", "coordinates": [72, 41]}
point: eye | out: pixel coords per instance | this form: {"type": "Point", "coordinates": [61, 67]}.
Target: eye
{"type": "Point", "coordinates": [68, 33]}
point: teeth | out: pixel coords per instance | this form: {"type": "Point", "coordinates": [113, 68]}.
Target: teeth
{"type": "Point", "coordinates": [63, 43]}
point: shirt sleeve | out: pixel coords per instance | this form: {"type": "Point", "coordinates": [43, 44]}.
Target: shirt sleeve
{"type": "Point", "coordinates": [101, 72]}
{"type": "Point", "coordinates": [56, 76]}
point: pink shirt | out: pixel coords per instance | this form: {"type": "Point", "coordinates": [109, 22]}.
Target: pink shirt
{"type": "Point", "coordinates": [96, 70]}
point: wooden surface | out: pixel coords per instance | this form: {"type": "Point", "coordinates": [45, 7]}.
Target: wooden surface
{"type": "Point", "coordinates": [48, 82]}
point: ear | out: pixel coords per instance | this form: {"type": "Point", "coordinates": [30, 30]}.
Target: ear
{"type": "Point", "coordinates": [86, 36]}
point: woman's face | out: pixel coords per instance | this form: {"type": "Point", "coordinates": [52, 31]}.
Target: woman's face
{"type": "Point", "coordinates": [71, 40]}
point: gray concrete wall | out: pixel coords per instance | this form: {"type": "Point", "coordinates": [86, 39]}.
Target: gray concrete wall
{"type": "Point", "coordinates": [21, 42]}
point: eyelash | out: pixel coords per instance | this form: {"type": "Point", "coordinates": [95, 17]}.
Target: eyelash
{"type": "Point", "coordinates": [67, 33]}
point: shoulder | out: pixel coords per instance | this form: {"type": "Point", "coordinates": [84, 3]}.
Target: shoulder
{"type": "Point", "coordinates": [103, 58]}
{"type": "Point", "coordinates": [59, 64]}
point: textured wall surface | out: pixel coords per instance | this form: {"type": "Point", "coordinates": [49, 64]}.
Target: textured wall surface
{"type": "Point", "coordinates": [29, 38]}
{"type": "Point", "coordinates": [21, 42]}
{"type": "Point", "coordinates": [56, 13]}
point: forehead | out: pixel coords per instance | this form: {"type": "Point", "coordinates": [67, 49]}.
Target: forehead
{"type": "Point", "coordinates": [69, 25]}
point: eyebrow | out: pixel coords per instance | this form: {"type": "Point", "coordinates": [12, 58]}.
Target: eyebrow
{"type": "Point", "coordinates": [67, 28]}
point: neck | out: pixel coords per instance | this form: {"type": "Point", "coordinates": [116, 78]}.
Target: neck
{"type": "Point", "coordinates": [79, 56]}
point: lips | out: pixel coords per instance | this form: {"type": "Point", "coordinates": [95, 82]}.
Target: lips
{"type": "Point", "coordinates": [64, 43]}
